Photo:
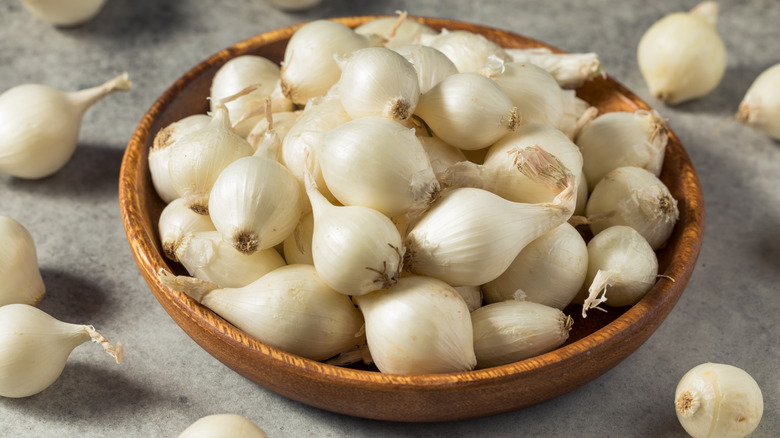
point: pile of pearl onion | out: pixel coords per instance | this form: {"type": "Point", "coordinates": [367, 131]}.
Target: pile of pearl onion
{"type": "Point", "coordinates": [409, 115]}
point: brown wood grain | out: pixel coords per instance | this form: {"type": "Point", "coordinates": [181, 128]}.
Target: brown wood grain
{"type": "Point", "coordinates": [597, 343]}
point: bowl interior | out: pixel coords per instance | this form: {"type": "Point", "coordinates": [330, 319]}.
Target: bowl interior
{"type": "Point", "coordinates": [596, 343]}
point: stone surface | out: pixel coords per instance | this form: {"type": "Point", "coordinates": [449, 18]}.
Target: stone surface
{"type": "Point", "coordinates": [728, 313]}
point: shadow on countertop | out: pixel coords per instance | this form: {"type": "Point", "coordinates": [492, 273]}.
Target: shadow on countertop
{"type": "Point", "coordinates": [71, 298]}
{"type": "Point", "coordinates": [87, 392]}
{"type": "Point", "coordinates": [91, 175]}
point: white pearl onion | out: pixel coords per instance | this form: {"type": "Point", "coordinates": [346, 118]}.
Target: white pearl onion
{"type": "Point", "coordinates": [223, 425]}
{"type": "Point", "coordinates": [682, 56]}
{"type": "Point", "coordinates": [176, 221]}
{"type": "Point", "coordinates": [533, 90]}
{"type": "Point", "coordinates": [376, 81]}
{"type": "Point", "coordinates": [508, 183]}
{"type": "Point", "coordinates": [289, 308]}
{"type": "Point", "coordinates": [199, 157]}
{"type": "Point", "coordinates": [255, 203]}
{"type": "Point", "coordinates": [570, 70]}
{"type": "Point", "coordinates": [620, 138]}
{"type": "Point", "coordinates": [635, 197]}
{"type": "Point", "coordinates": [207, 256]}
{"type": "Point", "coordinates": [65, 12]}
{"type": "Point", "coordinates": [550, 270]}
{"type": "Point", "coordinates": [234, 77]}
{"type": "Point", "coordinates": [421, 325]}
{"type": "Point", "coordinates": [430, 64]}
{"type": "Point", "coordinates": [378, 163]}
{"type": "Point", "coordinates": [34, 348]}
{"type": "Point", "coordinates": [468, 111]}
{"type": "Point", "coordinates": [21, 278]}
{"type": "Point", "coordinates": [511, 331]}
{"type": "Point", "coordinates": [470, 236]}
{"type": "Point", "coordinates": [498, 174]}
{"type": "Point", "coordinates": [760, 108]}
{"type": "Point", "coordinates": [39, 125]}
{"type": "Point", "coordinates": [160, 153]}
{"type": "Point", "coordinates": [356, 249]}
{"type": "Point", "coordinates": [315, 44]}
{"type": "Point", "coordinates": [622, 268]}
{"type": "Point", "coordinates": [720, 400]}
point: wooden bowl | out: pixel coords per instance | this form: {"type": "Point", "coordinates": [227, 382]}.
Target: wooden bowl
{"type": "Point", "coordinates": [597, 343]}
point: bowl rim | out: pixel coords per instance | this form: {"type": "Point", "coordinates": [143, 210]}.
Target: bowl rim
{"type": "Point", "coordinates": [632, 323]}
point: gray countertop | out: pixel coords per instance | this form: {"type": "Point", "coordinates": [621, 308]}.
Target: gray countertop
{"type": "Point", "coordinates": [728, 313]}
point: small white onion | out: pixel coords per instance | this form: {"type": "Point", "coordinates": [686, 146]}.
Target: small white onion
{"type": "Point", "coordinates": [199, 157]}
{"type": "Point", "coordinates": [682, 56]}
{"type": "Point", "coordinates": [419, 326]}
{"type": "Point", "coordinates": [160, 153]}
{"type": "Point", "coordinates": [39, 125]}
{"type": "Point", "coordinates": [289, 308]}
{"type": "Point", "coordinates": [223, 426]}
{"type": "Point", "coordinates": [207, 256]}
{"type": "Point", "coordinates": [235, 76]}
{"type": "Point", "coordinates": [511, 331]}
{"type": "Point", "coordinates": [376, 81]}
{"type": "Point", "coordinates": [635, 197]}
{"type": "Point", "coordinates": [378, 163]}
{"type": "Point", "coordinates": [498, 175]}
{"type": "Point", "coordinates": [356, 249]}
{"type": "Point", "coordinates": [468, 111]}
{"type": "Point", "coordinates": [21, 280]}
{"type": "Point", "coordinates": [255, 203]}
{"type": "Point", "coordinates": [315, 44]}
{"type": "Point", "coordinates": [550, 270]}
{"type": "Point", "coordinates": [470, 236]}
{"type": "Point", "coordinates": [176, 221]}
{"type": "Point", "coordinates": [720, 400]}
{"type": "Point", "coordinates": [570, 70]}
{"type": "Point", "coordinates": [431, 65]}
{"type": "Point", "coordinates": [620, 138]}
{"type": "Point", "coordinates": [533, 90]}
{"type": "Point", "coordinates": [622, 268]}
{"type": "Point", "coordinates": [34, 348]}
{"type": "Point", "coordinates": [507, 182]}
{"type": "Point", "coordinates": [760, 108]}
